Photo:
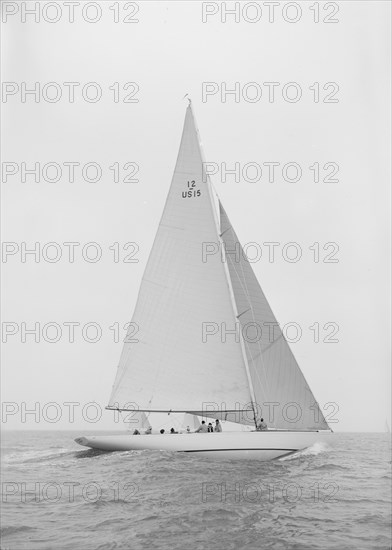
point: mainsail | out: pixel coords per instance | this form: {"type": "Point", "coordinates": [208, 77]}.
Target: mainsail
{"type": "Point", "coordinates": [178, 364]}
{"type": "Point", "coordinates": [172, 367]}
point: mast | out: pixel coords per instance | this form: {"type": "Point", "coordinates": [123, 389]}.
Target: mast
{"type": "Point", "coordinates": [236, 315]}
{"type": "Point", "coordinates": [227, 274]}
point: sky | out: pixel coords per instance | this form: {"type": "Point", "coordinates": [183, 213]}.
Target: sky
{"type": "Point", "coordinates": [328, 109]}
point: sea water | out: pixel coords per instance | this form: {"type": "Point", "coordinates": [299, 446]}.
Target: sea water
{"type": "Point", "coordinates": [58, 495]}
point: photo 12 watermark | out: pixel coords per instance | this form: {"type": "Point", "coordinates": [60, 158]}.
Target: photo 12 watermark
{"type": "Point", "coordinates": [271, 172]}
{"type": "Point", "coordinates": [69, 92]}
{"type": "Point", "coordinates": [70, 412]}
{"type": "Point", "coordinates": [276, 413]}
{"type": "Point", "coordinates": [269, 251]}
{"type": "Point", "coordinates": [270, 12]}
{"type": "Point", "coordinates": [272, 491]}
{"type": "Point", "coordinates": [71, 492]}
{"type": "Point", "coordinates": [70, 252]}
{"type": "Point", "coordinates": [68, 332]}
{"type": "Point", "coordinates": [270, 92]}
{"type": "Point", "coordinates": [69, 171]}
{"type": "Point", "coordinates": [269, 332]}
{"type": "Point", "coordinates": [33, 12]}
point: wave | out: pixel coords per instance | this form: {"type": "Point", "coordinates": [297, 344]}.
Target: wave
{"type": "Point", "coordinates": [17, 447]}
{"type": "Point", "coordinates": [23, 457]}
{"type": "Point", "coordinates": [331, 466]}
{"type": "Point", "coordinates": [101, 503]}
{"type": "Point", "coordinates": [216, 514]}
{"type": "Point", "coordinates": [316, 449]}
{"type": "Point", "coordinates": [12, 529]}
{"type": "Point", "coordinates": [90, 453]}
{"type": "Point", "coordinates": [108, 546]}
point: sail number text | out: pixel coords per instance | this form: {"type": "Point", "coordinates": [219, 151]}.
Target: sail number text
{"type": "Point", "coordinates": [191, 190]}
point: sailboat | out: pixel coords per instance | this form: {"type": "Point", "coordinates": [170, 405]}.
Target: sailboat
{"type": "Point", "coordinates": [204, 344]}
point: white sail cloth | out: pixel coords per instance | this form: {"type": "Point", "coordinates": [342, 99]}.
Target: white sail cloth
{"type": "Point", "coordinates": [172, 367]}
{"type": "Point", "coordinates": [283, 396]}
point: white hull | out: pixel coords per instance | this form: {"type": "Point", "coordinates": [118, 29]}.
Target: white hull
{"type": "Point", "coordinates": [239, 445]}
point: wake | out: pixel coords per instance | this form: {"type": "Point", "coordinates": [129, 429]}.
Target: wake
{"type": "Point", "coordinates": [317, 448]}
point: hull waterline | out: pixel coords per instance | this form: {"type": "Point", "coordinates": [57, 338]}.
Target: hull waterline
{"type": "Point", "coordinates": [266, 445]}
